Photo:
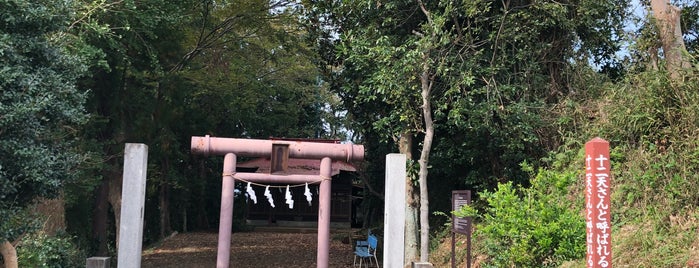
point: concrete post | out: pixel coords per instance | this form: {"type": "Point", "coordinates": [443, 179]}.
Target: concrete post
{"type": "Point", "coordinates": [226, 220]}
{"type": "Point", "coordinates": [133, 197]}
{"type": "Point", "coordinates": [97, 262]}
{"type": "Point", "coordinates": [394, 211]}
{"type": "Point", "coordinates": [323, 255]}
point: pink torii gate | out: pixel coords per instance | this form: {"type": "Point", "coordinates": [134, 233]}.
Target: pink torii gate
{"type": "Point", "coordinates": [232, 148]}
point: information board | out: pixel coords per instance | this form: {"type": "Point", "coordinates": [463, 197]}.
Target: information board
{"type": "Point", "coordinates": [458, 199]}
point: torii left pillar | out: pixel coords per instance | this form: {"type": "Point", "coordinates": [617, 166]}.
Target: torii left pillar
{"type": "Point", "coordinates": [232, 148]}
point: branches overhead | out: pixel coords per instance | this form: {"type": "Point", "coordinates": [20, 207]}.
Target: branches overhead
{"type": "Point", "coordinates": [488, 67]}
{"type": "Point", "coordinates": [220, 25]}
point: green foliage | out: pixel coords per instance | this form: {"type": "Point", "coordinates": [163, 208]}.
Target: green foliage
{"type": "Point", "coordinates": [466, 211]}
{"type": "Point", "coordinates": [690, 25]}
{"type": "Point", "coordinates": [651, 123]}
{"type": "Point", "coordinates": [173, 69]}
{"type": "Point", "coordinates": [40, 105]}
{"type": "Point", "coordinates": [531, 227]}
{"type": "Point", "coordinates": [649, 108]}
{"type": "Point", "coordinates": [656, 176]}
{"type": "Point", "coordinates": [40, 250]}
{"type": "Point", "coordinates": [17, 221]}
{"type": "Point", "coordinates": [498, 67]}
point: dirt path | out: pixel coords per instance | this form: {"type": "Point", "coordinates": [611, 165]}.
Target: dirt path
{"type": "Point", "coordinates": [250, 249]}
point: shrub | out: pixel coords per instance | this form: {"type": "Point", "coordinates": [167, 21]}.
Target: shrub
{"type": "Point", "coordinates": [41, 250]}
{"type": "Point", "coordinates": [532, 227]}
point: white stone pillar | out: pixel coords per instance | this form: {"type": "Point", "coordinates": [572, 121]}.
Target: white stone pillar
{"type": "Point", "coordinates": [133, 197]}
{"type": "Point", "coordinates": [394, 211]}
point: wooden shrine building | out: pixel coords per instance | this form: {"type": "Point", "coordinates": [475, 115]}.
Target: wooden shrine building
{"type": "Point", "coordinates": [302, 214]}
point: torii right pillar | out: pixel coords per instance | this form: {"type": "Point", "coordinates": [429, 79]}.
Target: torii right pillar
{"type": "Point", "coordinates": [597, 203]}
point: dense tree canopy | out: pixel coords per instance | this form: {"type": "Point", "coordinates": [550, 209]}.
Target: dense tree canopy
{"type": "Point", "coordinates": [41, 108]}
{"type": "Point", "coordinates": [497, 65]}
{"type": "Point", "coordinates": [176, 69]}
{"type": "Point", "coordinates": [493, 69]}
{"type": "Point", "coordinates": [41, 111]}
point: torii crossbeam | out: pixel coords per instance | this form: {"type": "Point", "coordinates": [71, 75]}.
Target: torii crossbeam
{"type": "Point", "coordinates": [279, 150]}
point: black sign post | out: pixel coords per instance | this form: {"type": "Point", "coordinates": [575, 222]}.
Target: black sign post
{"type": "Point", "coordinates": [460, 225]}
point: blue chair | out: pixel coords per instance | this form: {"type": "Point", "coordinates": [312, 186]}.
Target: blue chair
{"type": "Point", "coordinates": [361, 243]}
{"type": "Point", "coordinates": [364, 243]}
{"type": "Point", "coordinates": [366, 250]}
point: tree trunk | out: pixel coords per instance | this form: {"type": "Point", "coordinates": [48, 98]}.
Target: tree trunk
{"type": "Point", "coordinates": [426, 84]}
{"type": "Point", "coordinates": [184, 219]}
{"type": "Point", "coordinates": [405, 146]}
{"type": "Point", "coordinates": [202, 215]}
{"type": "Point", "coordinates": [115, 184]}
{"type": "Point", "coordinates": [99, 222]}
{"type": "Point", "coordinates": [9, 254]}
{"type": "Point", "coordinates": [164, 200]}
{"type": "Point", "coordinates": [667, 18]}
{"type": "Point", "coordinates": [164, 140]}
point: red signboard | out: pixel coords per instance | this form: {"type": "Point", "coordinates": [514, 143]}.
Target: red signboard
{"type": "Point", "coordinates": [597, 203]}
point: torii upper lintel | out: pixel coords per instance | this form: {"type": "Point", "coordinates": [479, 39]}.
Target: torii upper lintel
{"type": "Point", "coordinates": [258, 148]}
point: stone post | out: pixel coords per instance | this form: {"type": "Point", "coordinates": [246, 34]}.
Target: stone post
{"type": "Point", "coordinates": [97, 262]}
{"type": "Point", "coordinates": [394, 211]}
{"type": "Point", "coordinates": [133, 197]}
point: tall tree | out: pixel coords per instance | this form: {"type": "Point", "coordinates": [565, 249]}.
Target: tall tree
{"type": "Point", "coordinates": [183, 68]}
{"type": "Point", "coordinates": [430, 43]}
{"type": "Point", "coordinates": [128, 99]}
{"type": "Point", "coordinates": [667, 17]}
{"type": "Point", "coordinates": [477, 71]}
{"type": "Point", "coordinates": [40, 108]}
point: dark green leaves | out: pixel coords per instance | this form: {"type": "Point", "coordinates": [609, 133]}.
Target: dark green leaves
{"type": "Point", "coordinates": [40, 105]}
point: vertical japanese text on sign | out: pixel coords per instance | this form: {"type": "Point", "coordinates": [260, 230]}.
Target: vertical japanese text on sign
{"type": "Point", "coordinates": [597, 200]}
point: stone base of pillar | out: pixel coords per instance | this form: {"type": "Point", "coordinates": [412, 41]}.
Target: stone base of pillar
{"type": "Point", "coordinates": [97, 262]}
{"type": "Point", "coordinates": [422, 265]}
